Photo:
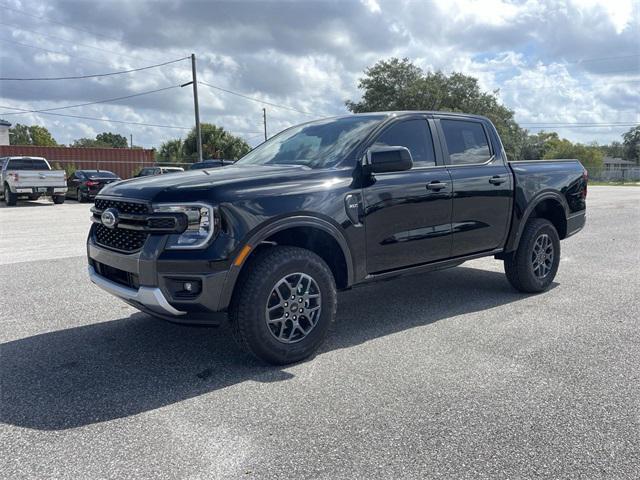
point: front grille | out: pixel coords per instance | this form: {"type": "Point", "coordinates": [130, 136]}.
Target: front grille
{"type": "Point", "coordinates": [128, 241]}
{"type": "Point", "coordinates": [116, 275]}
{"type": "Point", "coordinates": [122, 206]}
{"type": "Point", "coordinates": [121, 239]}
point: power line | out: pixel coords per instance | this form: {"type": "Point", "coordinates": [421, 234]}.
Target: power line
{"type": "Point", "coordinates": [253, 99]}
{"type": "Point", "coordinates": [76, 77]}
{"type": "Point", "coordinates": [552, 127]}
{"type": "Point", "coordinates": [84, 117]}
{"type": "Point", "coordinates": [6, 7]}
{"type": "Point", "coordinates": [48, 35]}
{"type": "Point", "coordinates": [107, 100]}
{"type": "Point", "coordinates": [94, 118]}
{"type": "Point", "coordinates": [586, 60]}
{"type": "Point", "coordinates": [54, 51]}
{"type": "Point", "coordinates": [577, 123]}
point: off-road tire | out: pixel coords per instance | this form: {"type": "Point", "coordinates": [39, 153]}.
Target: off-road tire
{"type": "Point", "coordinates": [518, 265]}
{"type": "Point", "coordinates": [58, 199]}
{"type": "Point", "coordinates": [10, 198]}
{"type": "Point", "coordinates": [256, 283]}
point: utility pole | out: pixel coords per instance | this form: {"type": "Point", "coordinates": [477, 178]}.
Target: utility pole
{"type": "Point", "coordinates": [264, 119]}
{"type": "Point", "coordinates": [195, 105]}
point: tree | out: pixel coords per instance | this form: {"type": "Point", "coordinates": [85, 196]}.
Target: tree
{"type": "Point", "coordinates": [88, 143]}
{"type": "Point", "coordinates": [31, 135]}
{"type": "Point", "coordinates": [631, 143]}
{"type": "Point", "coordinates": [614, 149]}
{"type": "Point", "coordinates": [216, 143]}
{"type": "Point", "coordinates": [536, 146]}
{"type": "Point", "coordinates": [114, 140]}
{"type": "Point", "coordinates": [170, 151]}
{"type": "Point", "coordinates": [396, 84]}
{"type": "Point", "coordinates": [590, 156]}
{"type": "Point", "coordinates": [102, 140]}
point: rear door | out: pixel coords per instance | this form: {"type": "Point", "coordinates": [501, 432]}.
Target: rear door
{"type": "Point", "coordinates": [482, 184]}
{"type": "Point", "coordinates": [408, 214]}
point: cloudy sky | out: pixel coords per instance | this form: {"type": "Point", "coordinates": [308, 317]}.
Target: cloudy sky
{"type": "Point", "coordinates": [555, 62]}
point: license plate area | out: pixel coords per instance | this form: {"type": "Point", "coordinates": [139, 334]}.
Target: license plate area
{"type": "Point", "coordinates": [41, 190]}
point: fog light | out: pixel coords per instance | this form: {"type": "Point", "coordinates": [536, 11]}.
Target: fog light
{"type": "Point", "coordinates": [184, 287]}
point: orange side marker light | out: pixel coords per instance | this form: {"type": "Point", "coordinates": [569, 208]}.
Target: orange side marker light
{"type": "Point", "coordinates": [242, 255]}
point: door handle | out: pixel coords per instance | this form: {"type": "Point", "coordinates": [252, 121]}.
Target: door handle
{"type": "Point", "coordinates": [435, 186]}
{"type": "Point", "coordinates": [497, 180]}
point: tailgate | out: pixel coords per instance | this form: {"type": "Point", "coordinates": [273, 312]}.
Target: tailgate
{"type": "Point", "coordinates": [39, 178]}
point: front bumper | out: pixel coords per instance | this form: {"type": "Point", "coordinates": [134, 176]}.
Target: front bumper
{"type": "Point", "coordinates": [149, 297]}
{"type": "Point", "coordinates": [147, 281]}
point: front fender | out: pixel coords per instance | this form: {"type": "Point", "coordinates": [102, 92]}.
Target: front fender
{"type": "Point", "coordinates": [263, 232]}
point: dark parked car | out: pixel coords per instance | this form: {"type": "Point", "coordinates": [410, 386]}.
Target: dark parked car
{"type": "Point", "coordinates": [210, 164]}
{"type": "Point", "coordinates": [325, 206]}
{"type": "Point", "coordinates": [84, 185]}
{"type": "Point", "coordinates": [148, 171]}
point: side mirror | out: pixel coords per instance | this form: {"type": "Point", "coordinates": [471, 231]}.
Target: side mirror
{"type": "Point", "coordinates": [389, 159]}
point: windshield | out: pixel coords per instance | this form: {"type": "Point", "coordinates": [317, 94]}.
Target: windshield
{"type": "Point", "coordinates": [318, 144]}
{"type": "Point", "coordinates": [27, 164]}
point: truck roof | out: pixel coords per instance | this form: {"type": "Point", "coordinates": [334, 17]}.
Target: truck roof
{"type": "Point", "coordinates": [399, 113]}
{"type": "Point", "coordinates": [18, 157]}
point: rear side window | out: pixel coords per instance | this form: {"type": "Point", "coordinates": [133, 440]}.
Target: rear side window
{"type": "Point", "coordinates": [466, 141]}
{"type": "Point", "coordinates": [27, 164]}
{"type": "Point", "coordinates": [413, 134]}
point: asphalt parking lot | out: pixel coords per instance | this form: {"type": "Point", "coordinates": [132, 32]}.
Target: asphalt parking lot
{"type": "Point", "coordinates": [447, 375]}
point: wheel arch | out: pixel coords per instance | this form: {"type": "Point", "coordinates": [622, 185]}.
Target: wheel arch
{"type": "Point", "coordinates": [310, 232]}
{"type": "Point", "coordinates": [548, 205]}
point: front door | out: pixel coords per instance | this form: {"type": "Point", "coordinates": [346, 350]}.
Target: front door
{"type": "Point", "coordinates": [408, 214]}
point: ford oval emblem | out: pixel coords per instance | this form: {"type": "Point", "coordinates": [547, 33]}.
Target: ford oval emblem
{"type": "Point", "coordinates": [109, 218]}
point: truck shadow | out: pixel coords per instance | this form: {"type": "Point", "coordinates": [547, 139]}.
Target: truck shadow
{"type": "Point", "coordinates": [95, 373]}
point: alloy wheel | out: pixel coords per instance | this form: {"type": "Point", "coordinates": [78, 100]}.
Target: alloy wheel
{"type": "Point", "coordinates": [542, 256]}
{"type": "Point", "coordinates": [293, 307]}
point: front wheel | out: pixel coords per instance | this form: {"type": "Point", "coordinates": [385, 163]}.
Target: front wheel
{"type": "Point", "coordinates": [283, 305]}
{"type": "Point", "coordinates": [533, 266]}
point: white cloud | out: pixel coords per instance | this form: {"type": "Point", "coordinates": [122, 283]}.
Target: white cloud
{"type": "Point", "coordinates": [309, 56]}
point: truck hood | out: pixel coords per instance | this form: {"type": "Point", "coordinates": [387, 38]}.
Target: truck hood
{"type": "Point", "coordinates": [152, 187]}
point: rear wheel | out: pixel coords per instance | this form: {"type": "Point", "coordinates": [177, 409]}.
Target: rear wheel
{"type": "Point", "coordinates": [10, 198]}
{"type": "Point", "coordinates": [283, 305]}
{"type": "Point", "coordinates": [81, 197]}
{"type": "Point", "coordinates": [58, 199]}
{"type": "Point", "coordinates": [34, 196]}
{"type": "Point", "coordinates": [533, 266]}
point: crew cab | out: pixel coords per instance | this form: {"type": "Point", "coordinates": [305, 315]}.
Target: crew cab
{"type": "Point", "coordinates": [30, 177]}
{"type": "Point", "coordinates": [325, 206]}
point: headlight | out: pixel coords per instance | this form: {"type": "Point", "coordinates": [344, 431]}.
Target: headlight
{"type": "Point", "coordinates": [201, 224]}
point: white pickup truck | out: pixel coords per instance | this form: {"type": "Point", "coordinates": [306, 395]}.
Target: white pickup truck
{"type": "Point", "coordinates": [30, 177]}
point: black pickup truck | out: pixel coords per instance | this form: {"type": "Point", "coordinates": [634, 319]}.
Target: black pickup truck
{"type": "Point", "coordinates": [325, 206]}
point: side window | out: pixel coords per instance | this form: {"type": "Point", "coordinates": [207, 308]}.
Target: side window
{"type": "Point", "coordinates": [416, 136]}
{"type": "Point", "coordinates": [466, 141]}
{"type": "Point", "coordinates": [79, 175]}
